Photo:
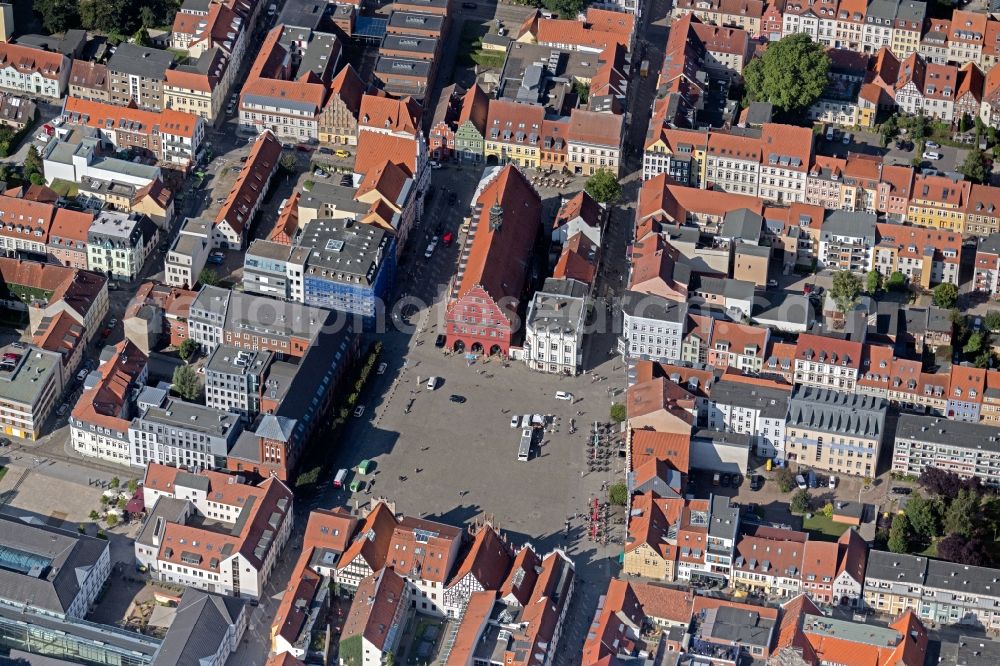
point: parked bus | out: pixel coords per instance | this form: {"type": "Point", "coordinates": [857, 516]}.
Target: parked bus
{"type": "Point", "coordinates": [524, 450]}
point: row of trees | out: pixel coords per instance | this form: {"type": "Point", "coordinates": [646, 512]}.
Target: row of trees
{"type": "Point", "coordinates": [112, 17]}
{"type": "Point", "coordinates": [848, 287]}
{"type": "Point", "coordinates": [954, 517]}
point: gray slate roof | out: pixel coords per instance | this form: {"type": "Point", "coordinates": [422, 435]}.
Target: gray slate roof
{"type": "Point", "coordinates": [140, 61]}
{"type": "Point", "coordinates": [69, 558]}
{"type": "Point", "coordinates": [772, 403]}
{"type": "Point", "coordinates": [851, 224]}
{"type": "Point", "coordinates": [200, 625]}
{"type": "Point", "coordinates": [837, 413]}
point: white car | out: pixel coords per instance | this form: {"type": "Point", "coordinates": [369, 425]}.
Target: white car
{"type": "Point", "coordinates": [800, 481]}
{"type": "Point", "coordinates": [359, 410]}
{"type": "Point", "coordinates": [563, 395]}
{"type": "Point", "coordinates": [430, 250]}
{"type": "Point", "coordinates": [932, 144]}
{"type": "Point", "coordinates": [432, 383]}
{"type": "Point", "coordinates": [381, 367]}
{"type": "Point", "coordinates": [931, 155]}
{"type": "Point", "coordinates": [832, 481]}
{"type": "Point", "coordinates": [515, 421]}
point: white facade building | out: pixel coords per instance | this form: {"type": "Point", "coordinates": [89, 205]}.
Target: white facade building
{"type": "Point", "coordinates": [554, 327]}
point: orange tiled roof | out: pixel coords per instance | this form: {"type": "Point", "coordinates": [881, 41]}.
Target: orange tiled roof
{"type": "Point", "coordinates": [389, 113]}
{"type": "Point", "coordinates": [104, 116]}
{"type": "Point", "coordinates": [29, 60]}
{"type": "Point", "coordinates": [375, 148]}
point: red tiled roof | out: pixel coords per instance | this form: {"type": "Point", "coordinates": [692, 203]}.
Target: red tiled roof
{"type": "Point", "coordinates": [672, 447]}
{"type": "Point", "coordinates": [251, 184]}
{"type": "Point", "coordinates": [497, 257]}
{"type": "Point", "coordinates": [29, 60]}
{"type": "Point", "coordinates": [488, 561]}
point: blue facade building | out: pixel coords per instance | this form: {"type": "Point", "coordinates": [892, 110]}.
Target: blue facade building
{"type": "Point", "coordinates": [351, 266]}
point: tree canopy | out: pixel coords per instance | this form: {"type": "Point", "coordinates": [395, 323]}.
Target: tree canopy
{"type": "Point", "coordinates": [604, 187]}
{"type": "Point", "coordinates": [845, 290]}
{"type": "Point", "coordinates": [185, 382]}
{"type": "Point", "coordinates": [114, 17]}
{"type": "Point", "coordinates": [791, 74]}
{"type": "Point", "coordinates": [945, 295]}
{"type": "Point", "coordinates": [873, 282]}
{"type": "Point", "coordinates": [974, 167]}
{"type": "Point", "coordinates": [900, 534]}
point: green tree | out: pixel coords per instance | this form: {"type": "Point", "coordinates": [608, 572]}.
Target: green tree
{"type": "Point", "coordinates": [924, 516]}
{"type": "Point", "coordinates": [873, 283]}
{"type": "Point", "coordinates": [992, 320]}
{"type": "Point", "coordinates": [582, 91]}
{"type": "Point", "coordinates": [565, 8]}
{"type": "Point", "coordinates": [900, 534]}
{"type": "Point", "coordinates": [801, 501]}
{"type": "Point", "coordinates": [785, 479]}
{"type": "Point", "coordinates": [288, 162]}
{"type": "Point", "coordinates": [115, 482]}
{"type": "Point", "coordinates": [187, 349]}
{"type": "Point", "coordinates": [132, 486]}
{"type": "Point", "coordinates": [112, 519]}
{"type": "Point", "coordinates": [962, 513]}
{"type": "Point", "coordinates": [33, 164]}
{"type": "Point", "coordinates": [945, 295]}
{"type": "Point", "coordinates": [974, 167]}
{"type": "Point", "coordinates": [964, 123]}
{"type": "Point", "coordinates": [896, 282]}
{"type": "Point", "coordinates": [618, 412]}
{"type": "Point", "coordinates": [975, 344]}
{"type": "Point", "coordinates": [984, 359]}
{"type": "Point", "coordinates": [791, 74]}
{"type": "Point", "coordinates": [603, 187]}
{"type": "Point", "coordinates": [95, 516]}
{"type": "Point", "coordinates": [208, 277]}
{"type": "Point", "coordinates": [845, 290]}
{"type": "Point", "coordinates": [827, 510]}
{"type": "Point", "coordinates": [141, 37]}
{"type": "Point", "coordinates": [618, 494]}
{"type": "Point", "coordinates": [57, 15]}
{"type": "Point", "coordinates": [185, 382]}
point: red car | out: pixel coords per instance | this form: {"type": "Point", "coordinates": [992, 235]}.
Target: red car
{"type": "Point", "coordinates": [447, 238]}
{"type": "Point", "coordinates": [806, 290]}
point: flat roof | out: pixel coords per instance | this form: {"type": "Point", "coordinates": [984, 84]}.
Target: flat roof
{"type": "Point", "coordinates": [403, 20]}
{"type": "Point", "coordinates": [192, 416]}
{"type": "Point", "coordinates": [392, 66]}
{"type": "Point", "coordinates": [24, 383]}
{"type": "Point", "coordinates": [945, 431]}
{"type": "Point", "coordinates": [344, 250]}
{"type": "Point", "coordinates": [226, 359]}
{"type": "Point", "coordinates": [302, 13]}
{"type": "Point", "coordinates": [855, 632]}
{"type": "Point", "coordinates": [410, 44]}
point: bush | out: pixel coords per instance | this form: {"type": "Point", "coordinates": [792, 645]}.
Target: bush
{"type": "Point", "coordinates": [101, 534]}
{"type": "Point", "coordinates": [115, 482]}
{"type": "Point", "coordinates": [112, 519]}
{"type": "Point", "coordinates": [801, 502]}
{"type": "Point", "coordinates": [308, 477]}
{"type": "Point", "coordinates": [618, 494]}
{"type": "Point", "coordinates": [785, 479]}
{"type": "Point", "coordinates": [618, 412]}
{"type": "Point", "coordinates": [95, 516]}
{"type": "Point", "coordinates": [827, 510]}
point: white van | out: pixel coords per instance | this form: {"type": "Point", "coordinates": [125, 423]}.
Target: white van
{"type": "Point", "coordinates": [432, 383]}
{"type": "Point", "coordinates": [563, 395]}
{"type": "Point", "coordinates": [338, 481]}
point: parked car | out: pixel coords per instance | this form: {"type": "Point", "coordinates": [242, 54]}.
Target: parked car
{"type": "Point", "coordinates": [831, 482]}
{"type": "Point", "coordinates": [319, 173]}
{"type": "Point", "coordinates": [800, 481]}
{"type": "Point", "coordinates": [931, 155]}
{"type": "Point", "coordinates": [460, 399]}
{"type": "Point", "coordinates": [469, 5]}
{"type": "Point", "coordinates": [112, 322]}
{"type": "Point", "coordinates": [435, 164]}
{"type": "Point", "coordinates": [737, 480]}
{"type": "Point", "coordinates": [340, 152]}
{"type": "Point", "coordinates": [811, 478]}
{"type": "Point", "coordinates": [772, 284]}
{"type": "Point", "coordinates": [563, 395]}
{"type": "Point", "coordinates": [847, 138]}
{"type": "Point", "coordinates": [432, 383]}
{"type": "Point", "coordinates": [756, 482]}
{"type": "Point", "coordinates": [359, 410]}
{"type": "Point", "coordinates": [515, 421]}
{"type": "Point", "coordinates": [430, 249]}
{"type": "Point", "coordinates": [901, 490]}
{"type": "Point", "coordinates": [382, 367]}
{"type": "Point", "coordinates": [80, 376]}
{"type": "Point", "coordinates": [727, 479]}
{"type": "Point", "coordinates": [932, 144]}
{"type": "Point", "coordinates": [448, 238]}
{"type": "Point", "coordinates": [440, 340]}
{"type": "Point", "coordinates": [325, 151]}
